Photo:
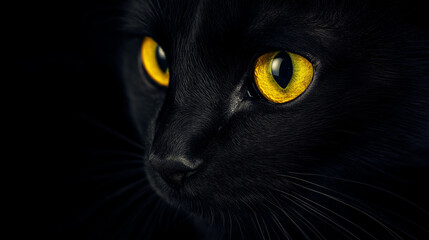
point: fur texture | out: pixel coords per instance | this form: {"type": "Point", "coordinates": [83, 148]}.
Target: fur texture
{"type": "Point", "coordinates": [348, 159]}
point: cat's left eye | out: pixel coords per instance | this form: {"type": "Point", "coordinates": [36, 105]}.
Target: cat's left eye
{"type": "Point", "coordinates": [155, 61]}
{"type": "Point", "coordinates": [282, 76]}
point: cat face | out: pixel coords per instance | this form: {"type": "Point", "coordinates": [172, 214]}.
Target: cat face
{"type": "Point", "coordinates": [218, 145]}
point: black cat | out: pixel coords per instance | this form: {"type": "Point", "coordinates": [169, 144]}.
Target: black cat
{"type": "Point", "coordinates": [255, 119]}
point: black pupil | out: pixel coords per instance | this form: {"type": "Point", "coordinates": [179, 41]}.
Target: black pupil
{"type": "Point", "coordinates": [281, 69]}
{"type": "Point", "coordinates": [161, 59]}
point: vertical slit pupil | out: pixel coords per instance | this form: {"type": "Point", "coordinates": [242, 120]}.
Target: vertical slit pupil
{"type": "Point", "coordinates": [161, 59]}
{"type": "Point", "coordinates": [282, 69]}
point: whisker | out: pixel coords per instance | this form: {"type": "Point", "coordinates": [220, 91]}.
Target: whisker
{"type": "Point", "coordinates": [238, 224]}
{"type": "Point", "coordinates": [230, 225]}
{"type": "Point", "coordinates": [259, 226]}
{"type": "Point", "coordinates": [309, 225]}
{"type": "Point", "coordinates": [336, 214]}
{"type": "Point", "coordinates": [275, 232]}
{"type": "Point", "coordinates": [303, 220]}
{"type": "Point", "coordinates": [90, 211]}
{"type": "Point", "coordinates": [97, 177]}
{"type": "Point", "coordinates": [129, 221]}
{"type": "Point", "coordinates": [133, 221]}
{"type": "Point", "coordinates": [164, 210]}
{"type": "Point", "coordinates": [319, 205]}
{"type": "Point", "coordinates": [131, 164]}
{"type": "Point", "coordinates": [284, 211]}
{"type": "Point", "coordinates": [212, 220]}
{"type": "Point", "coordinates": [312, 210]}
{"type": "Point", "coordinates": [393, 233]}
{"type": "Point", "coordinates": [118, 152]}
{"type": "Point", "coordinates": [274, 216]}
{"type": "Point", "coordinates": [280, 226]}
{"type": "Point", "coordinates": [254, 223]}
{"type": "Point", "coordinates": [223, 220]}
{"type": "Point", "coordinates": [266, 229]}
{"type": "Point", "coordinates": [175, 215]}
{"type": "Point", "coordinates": [408, 221]}
{"type": "Point", "coordinates": [111, 131]}
{"type": "Point", "coordinates": [367, 185]}
{"type": "Point", "coordinates": [149, 222]}
{"type": "Point", "coordinates": [351, 198]}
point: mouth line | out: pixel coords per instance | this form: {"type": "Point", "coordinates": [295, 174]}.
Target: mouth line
{"type": "Point", "coordinates": [155, 181]}
{"type": "Point", "coordinates": [172, 196]}
{"type": "Point", "coordinates": [179, 199]}
{"type": "Point", "coordinates": [193, 204]}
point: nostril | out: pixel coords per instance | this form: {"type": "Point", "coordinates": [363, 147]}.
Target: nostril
{"type": "Point", "coordinates": [174, 170]}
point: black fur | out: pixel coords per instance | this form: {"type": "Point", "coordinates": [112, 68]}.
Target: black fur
{"type": "Point", "coordinates": [348, 159]}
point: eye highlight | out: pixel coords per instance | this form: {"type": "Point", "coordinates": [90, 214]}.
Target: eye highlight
{"type": "Point", "coordinates": [282, 76]}
{"type": "Point", "coordinates": [155, 61]}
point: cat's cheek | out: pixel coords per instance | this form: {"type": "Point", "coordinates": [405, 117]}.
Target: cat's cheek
{"type": "Point", "coordinates": [157, 183]}
{"type": "Point", "coordinates": [143, 97]}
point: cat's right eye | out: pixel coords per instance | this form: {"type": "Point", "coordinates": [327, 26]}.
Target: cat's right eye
{"type": "Point", "coordinates": [155, 61]}
{"type": "Point", "coordinates": [282, 76]}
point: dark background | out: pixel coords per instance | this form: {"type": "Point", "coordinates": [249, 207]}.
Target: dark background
{"type": "Point", "coordinates": [61, 66]}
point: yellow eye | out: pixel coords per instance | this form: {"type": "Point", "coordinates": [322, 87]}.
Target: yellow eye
{"type": "Point", "coordinates": [155, 61]}
{"type": "Point", "coordinates": [282, 76]}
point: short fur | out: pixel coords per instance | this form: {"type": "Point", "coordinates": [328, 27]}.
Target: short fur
{"type": "Point", "coordinates": [348, 159]}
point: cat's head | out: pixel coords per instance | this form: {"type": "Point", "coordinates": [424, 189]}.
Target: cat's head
{"type": "Point", "coordinates": [221, 143]}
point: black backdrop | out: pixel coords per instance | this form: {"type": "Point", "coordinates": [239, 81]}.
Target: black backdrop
{"type": "Point", "coordinates": [63, 74]}
{"type": "Point", "coordinates": [63, 77]}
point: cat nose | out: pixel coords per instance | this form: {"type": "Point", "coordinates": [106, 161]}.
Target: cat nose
{"type": "Point", "coordinates": [174, 170]}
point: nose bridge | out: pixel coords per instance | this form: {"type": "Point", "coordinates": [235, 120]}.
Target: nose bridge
{"type": "Point", "coordinates": [181, 132]}
{"type": "Point", "coordinates": [195, 77]}
{"type": "Point", "coordinates": [181, 129]}
{"type": "Point", "coordinates": [195, 101]}
{"type": "Point", "coordinates": [190, 116]}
